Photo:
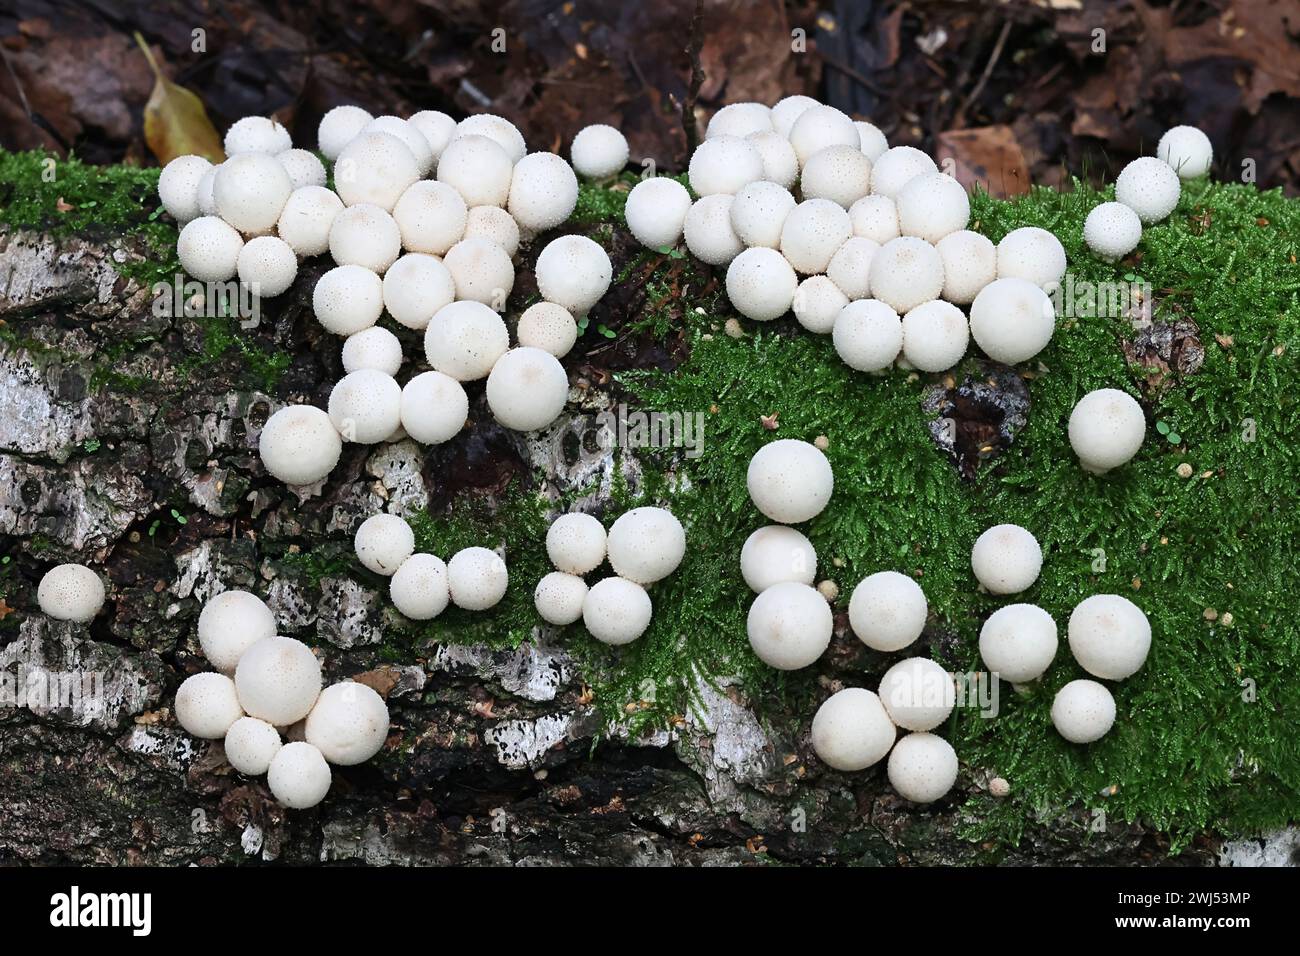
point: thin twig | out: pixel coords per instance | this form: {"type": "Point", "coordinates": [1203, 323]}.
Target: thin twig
{"type": "Point", "coordinates": [689, 126]}
{"type": "Point", "coordinates": [959, 118]}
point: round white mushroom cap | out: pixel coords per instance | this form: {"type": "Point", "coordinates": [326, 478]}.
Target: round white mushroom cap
{"type": "Point", "coordinates": [299, 445]}
{"type": "Point", "coordinates": [616, 611]}
{"type": "Point", "coordinates": [598, 151]}
{"type": "Point", "coordinates": [875, 218]}
{"type": "Point", "coordinates": [267, 265]}
{"type": "Point", "coordinates": [415, 287]}
{"type": "Point", "coordinates": [207, 705]}
{"type": "Point", "coordinates": [739, 119]}
{"type": "Point", "coordinates": [935, 335]}
{"type": "Point", "coordinates": [70, 592]}
{"type": "Point", "coordinates": [788, 109]}
{"type": "Point", "coordinates": [375, 348]}
{"type": "Point", "coordinates": [434, 408]}
{"type": "Point", "coordinates": [464, 340]}
{"type": "Point", "coordinates": [709, 233]}
{"type": "Point", "coordinates": [576, 543]}
{"type": "Point", "coordinates": [419, 588]}
{"type": "Point", "coordinates": [414, 140]}
{"type": "Point", "coordinates": [646, 545]}
{"type": "Point", "coordinates": [496, 128]}
{"type": "Point", "coordinates": [819, 127]}
{"type": "Point", "coordinates": [839, 173]}
{"type": "Point", "coordinates": [229, 624]}
{"type": "Point", "coordinates": [559, 598]}
{"type": "Point", "coordinates": [278, 680]}
{"type": "Point", "coordinates": [931, 206]}
{"type": "Point", "coordinates": [1034, 254]}
{"type": "Point", "coordinates": [436, 127]}
{"type": "Point", "coordinates": [970, 262]}
{"type": "Point", "coordinates": [1106, 429]}
{"type": "Point", "coordinates": [208, 248]}
{"type": "Point", "coordinates": [1083, 711]}
{"type": "Point", "coordinates": [816, 303]}
{"type": "Point", "coordinates": [298, 776]}
{"type": "Point", "coordinates": [724, 164]}
{"type": "Point", "coordinates": [1006, 559]}
{"type": "Point", "coordinates": [906, 272]}
{"type": "Point", "coordinates": [178, 186]}
{"type": "Point", "coordinates": [383, 542]}
{"type": "Point", "coordinates": [256, 134]}
{"type": "Point", "coordinates": [789, 625]}
{"type": "Point", "coordinates": [366, 406]}
{"type": "Point", "coordinates": [573, 271]}
{"type": "Point", "coordinates": [780, 164]}
{"type": "Point", "coordinates": [758, 212]}
{"type": "Point", "coordinates": [761, 284]}
{"type": "Point", "coordinates": [898, 166]}
{"type": "Point", "coordinates": [887, 611]}
{"type": "Point", "coordinates": [812, 233]}
{"type": "Point", "coordinates": [1018, 642]}
{"type": "Point", "coordinates": [868, 335]}
{"type": "Point", "coordinates": [1149, 187]}
{"type": "Point", "coordinates": [543, 191]}
{"type": "Point", "coordinates": [656, 211]}
{"type": "Point", "coordinates": [432, 217]}
{"type": "Point", "coordinates": [478, 168]}
{"type": "Point", "coordinates": [852, 731]}
{"type": "Point", "coordinates": [871, 140]}
{"type": "Point", "coordinates": [481, 271]}
{"type": "Point", "coordinates": [365, 235]}
{"type": "Point", "coordinates": [922, 767]}
{"type": "Point", "coordinates": [477, 578]}
{"type": "Point", "coordinates": [850, 267]}
{"type": "Point", "coordinates": [207, 203]}
{"type": "Point", "coordinates": [306, 219]}
{"type": "Point", "coordinates": [774, 554]}
{"type": "Point", "coordinates": [349, 723]}
{"type": "Point", "coordinates": [789, 480]}
{"type": "Point", "coordinates": [1012, 320]}
{"type": "Point", "coordinates": [1109, 636]}
{"type": "Point", "coordinates": [251, 745]}
{"type": "Point", "coordinates": [1187, 150]}
{"type": "Point", "coordinates": [527, 389]}
{"type": "Point", "coordinates": [338, 127]}
{"type": "Point", "coordinates": [348, 299]}
{"type": "Point", "coordinates": [303, 167]}
{"type": "Point", "coordinates": [250, 191]}
{"type": "Point", "coordinates": [374, 168]}
{"type": "Point", "coordinates": [545, 325]}
{"type": "Point", "coordinates": [1112, 230]}
{"type": "Point", "coordinates": [918, 694]}
{"type": "Point", "coordinates": [494, 224]}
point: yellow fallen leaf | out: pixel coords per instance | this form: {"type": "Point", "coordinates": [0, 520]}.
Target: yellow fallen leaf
{"type": "Point", "coordinates": [175, 122]}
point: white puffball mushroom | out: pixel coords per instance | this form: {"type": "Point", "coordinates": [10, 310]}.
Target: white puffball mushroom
{"type": "Point", "coordinates": [852, 731]}
{"type": "Point", "coordinates": [656, 211]}
{"type": "Point", "coordinates": [267, 265]}
{"type": "Point", "coordinates": [1106, 429]}
{"type": "Point", "coordinates": [365, 235]}
{"type": "Point", "coordinates": [723, 165]}
{"type": "Point", "coordinates": [1083, 711]}
{"type": "Point", "coordinates": [348, 299]}
{"type": "Point", "coordinates": [933, 205]}
{"type": "Point", "coordinates": [922, 767]}
{"type": "Point", "coordinates": [789, 625]}
{"type": "Point", "coordinates": [478, 168]}
{"type": "Point", "coordinates": [366, 406]}
{"type": "Point", "coordinates": [1034, 254]}
{"type": "Point", "coordinates": [1187, 150]}
{"type": "Point", "coordinates": [306, 219]}
{"type": "Point", "coordinates": [229, 624]}
{"type": "Point", "coordinates": [774, 554]}
{"type": "Point", "coordinates": [576, 543]}
{"type": "Point", "coordinates": [574, 272]}
{"type": "Point", "coordinates": [839, 173]}
{"type": "Point", "coordinates": [477, 578]}
{"type": "Point", "coordinates": [761, 284]}
{"type": "Point", "coordinates": [871, 140]}
{"type": "Point", "coordinates": [875, 218]}
{"type": "Point", "coordinates": [646, 545]}
{"type": "Point", "coordinates": [527, 389]}
{"type": "Point", "coordinates": [349, 723]}
{"type": "Point", "coordinates": [250, 191]}
{"type": "Point", "coordinates": [868, 335]}
{"type": "Point", "coordinates": [898, 166]}
{"type": "Point", "coordinates": [788, 109]}
{"type": "Point", "coordinates": [432, 217]}
{"type": "Point", "coordinates": [383, 542]}
{"type": "Point", "coordinates": [1012, 320]}
{"type": "Point", "coordinates": [1112, 230]}
{"type": "Point", "coordinates": [758, 212]}
{"type": "Point", "coordinates": [251, 745]}
{"type": "Point", "coordinates": [813, 232]}
{"type": "Point", "coordinates": [208, 248]}
{"type": "Point", "coordinates": [436, 127]}
{"type": "Point", "coordinates": [207, 705]}
{"type": "Point", "coordinates": [464, 340]}
{"type": "Point", "coordinates": [789, 480]}
{"type": "Point", "coordinates": [178, 186]}
{"type": "Point", "coordinates": [887, 611]}
{"type": "Point", "coordinates": [481, 271]}
{"type": "Point", "coordinates": [935, 336]}
{"type": "Point", "coordinates": [415, 287]}
{"type": "Point", "coordinates": [434, 408]}
{"type": "Point", "coordinates": [819, 127]}
{"type": "Point", "coordinates": [545, 325]}
{"type": "Point", "coordinates": [850, 267]}
{"type": "Point", "coordinates": [413, 139]}
{"type": "Point", "coordinates": [598, 151]}
{"type": "Point", "coordinates": [1149, 187]}
{"type": "Point", "coordinates": [496, 128]}
{"type": "Point", "coordinates": [917, 693]}
{"type": "Point", "coordinates": [543, 191]}
{"type": "Point", "coordinates": [708, 231]}
{"type": "Point", "coordinates": [1006, 559]}
{"type": "Point", "coordinates": [559, 598]}
{"type": "Point", "coordinates": [298, 776]}
{"type": "Point", "coordinates": [374, 168]}
{"type": "Point", "coordinates": [419, 587]}
{"type": "Point", "coordinates": [203, 197]}
{"type": "Point", "coordinates": [338, 127]}
{"type": "Point", "coordinates": [70, 592]}
{"type": "Point", "coordinates": [780, 164]}
{"type": "Point", "coordinates": [739, 119]}
{"type": "Point", "coordinates": [278, 680]}
{"type": "Point", "coordinates": [303, 167]}
{"type": "Point", "coordinates": [1109, 636]}
{"type": "Point", "coordinates": [970, 262]}
{"type": "Point", "coordinates": [616, 611]}
{"type": "Point", "coordinates": [494, 224]}
{"type": "Point", "coordinates": [817, 302]}
{"type": "Point", "coordinates": [256, 134]}
{"type": "Point", "coordinates": [299, 445]}
{"type": "Point", "coordinates": [1018, 642]}
{"type": "Point", "coordinates": [906, 272]}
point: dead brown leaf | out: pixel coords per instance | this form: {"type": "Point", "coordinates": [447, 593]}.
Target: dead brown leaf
{"type": "Point", "coordinates": [175, 121]}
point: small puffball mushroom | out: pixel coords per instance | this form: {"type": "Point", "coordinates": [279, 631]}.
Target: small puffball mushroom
{"type": "Point", "coordinates": [576, 543]}
{"type": "Point", "coordinates": [250, 191]}
{"type": "Point", "coordinates": [70, 592]}
{"type": "Point", "coordinates": [178, 186]}
{"type": "Point", "coordinates": [788, 110]}
{"type": "Point", "coordinates": [207, 705]}
{"type": "Point", "coordinates": [1187, 150]}
{"type": "Point", "coordinates": [267, 265]}
{"type": "Point", "coordinates": [906, 272]}
{"type": "Point", "coordinates": [871, 140]}
{"type": "Point", "coordinates": [366, 406]}
{"type": "Point", "coordinates": [922, 767]}
{"type": "Point", "coordinates": [251, 745]}
{"type": "Point", "coordinates": [935, 336]}
{"type": "Point", "coordinates": [970, 262]}
{"type": "Point", "coordinates": [545, 325]}
{"type": "Point", "coordinates": [1006, 559]}
{"type": "Point", "coordinates": [338, 127]}
{"type": "Point", "coordinates": [383, 542]}
{"type": "Point", "coordinates": [348, 299]}
{"type": "Point", "coordinates": [774, 554]}
{"type": "Point", "coordinates": [723, 165]}
{"type": "Point", "coordinates": [349, 723]}
{"type": "Point", "coordinates": [207, 203]}
{"type": "Point", "coordinates": [789, 625]}
{"type": "Point", "coordinates": [1106, 429]}
{"type": "Point", "coordinates": [841, 174]}
{"type": "Point", "coordinates": [875, 218]}
{"type": "Point", "coordinates": [409, 135]}
{"type": "Point", "coordinates": [419, 588]}
{"type": "Point", "coordinates": [229, 624]}
{"type": "Point", "coordinates": [819, 127]}
{"type": "Point", "coordinates": [616, 611]}
{"type": "Point", "coordinates": [432, 217]}
{"type": "Point", "coordinates": [481, 271]}
{"type": "Point", "coordinates": [494, 224]}
{"type": "Point", "coordinates": [257, 134]}
{"type": "Point", "coordinates": [478, 168]}
{"type": "Point", "coordinates": [1018, 642]}
{"type": "Point", "coordinates": [365, 235]}
{"type": "Point", "coordinates": [897, 167]}
{"type": "Point", "coordinates": [1083, 711]}
{"type": "Point", "coordinates": [527, 389]}
{"type": "Point", "coordinates": [374, 168]}
{"type": "Point", "coordinates": [1112, 230]}
{"type": "Point", "coordinates": [299, 445]}
{"type": "Point", "coordinates": [434, 408]}
{"type": "Point", "coordinates": [646, 545]}
{"type": "Point", "coordinates": [868, 335]}
{"type": "Point", "coordinates": [436, 127]}
{"type": "Point", "coordinates": [758, 212]}
{"type": "Point", "coordinates": [208, 248]}
{"type": "Point", "coordinates": [816, 303]}
{"type": "Point", "coordinates": [278, 680]}
{"type": "Point", "coordinates": [887, 611]}
{"type": "Point", "coordinates": [543, 191]}
{"type": "Point", "coordinates": [850, 267]}
{"type": "Point", "coordinates": [298, 776]}
{"type": "Point", "coordinates": [761, 284]}
{"type": "Point", "coordinates": [739, 119]}
{"type": "Point", "coordinates": [1034, 254]}
{"type": "Point", "coordinates": [464, 340]}
{"type": "Point", "coordinates": [780, 164]}
{"type": "Point", "coordinates": [477, 578]}
{"type": "Point", "coordinates": [1109, 636]}
{"type": "Point", "coordinates": [306, 219]}
{"type": "Point", "coordinates": [918, 694]}
{"type": "Point", "coordinates": [789, 480]}
{"type": "Point", "coordinates": [416, 286]}
{"type": "Point", "coordinates": [813, 232]}
{"type": "Point", "coordinates": [708, 231]}
{"type": "Point", "coordinates": [598, 151]}
{"type": "Point", "coordinates": [1012, 320]}
{"type": "Point", "coordinates": [496, 128]}
{"type": "Point", "coordinates": [303, 167]}
{"type": "Point", "coordinates": [1149, 187]}
{"type": "Point", "coordinates": [656, 211]}
{"type": "Point", "coordinates": [933, 205]}
{"type": "Point", "coordinates": [573, 272]}
{"type": "Point", "coordinates": [559, 598]}
{"type": "Point", "coordinates": [852, 731]}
